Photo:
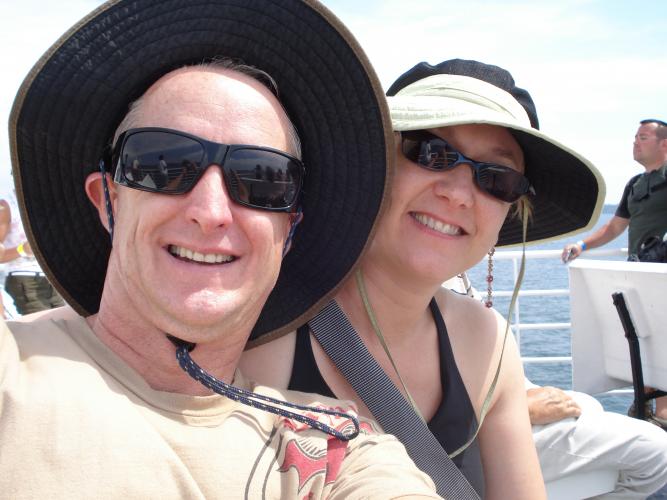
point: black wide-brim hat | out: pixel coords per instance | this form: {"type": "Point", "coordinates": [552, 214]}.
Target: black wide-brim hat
{"type": "Point", "coordinates": [71, 102]}
{"type": "Point", "coordinates": [569, 190]}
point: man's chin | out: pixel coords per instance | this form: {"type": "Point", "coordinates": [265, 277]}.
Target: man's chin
{"type": "Point", "coordinates": [208, 317]}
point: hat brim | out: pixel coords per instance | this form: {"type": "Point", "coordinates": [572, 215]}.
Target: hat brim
{"type": "Point", "coordinates": [569, 190]}
{"type": "Point", "coordinates": [71, 102]}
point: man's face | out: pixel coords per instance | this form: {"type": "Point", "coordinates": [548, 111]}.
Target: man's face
{"type": "Point", "coordinates": [647, 148]}
{"type": "Point", "coordinates": [198, 265]}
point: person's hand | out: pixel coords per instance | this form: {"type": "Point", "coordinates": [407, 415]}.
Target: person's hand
{"type": "Point", "coordinates": [571, 252]}
{"type": "Point", "coordinates": [550, 404]}
{"type": "Point", "coordinates": [27, 248]}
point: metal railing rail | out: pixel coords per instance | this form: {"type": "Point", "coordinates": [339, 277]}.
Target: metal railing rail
{"type": "Point", "coordinates": [517, 326]}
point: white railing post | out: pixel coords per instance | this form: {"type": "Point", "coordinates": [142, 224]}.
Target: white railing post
{"type": "Point", "coordinates": [517, 326]}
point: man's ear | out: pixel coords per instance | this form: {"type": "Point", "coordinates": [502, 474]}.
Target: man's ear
{"type": "Point", "coordinates": [95, 192]}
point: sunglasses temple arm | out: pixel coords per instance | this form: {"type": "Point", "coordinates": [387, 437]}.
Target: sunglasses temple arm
{"type": "Point", "coordinates": [107, 199]}
{"type": "Point", "coordinates": [297, 218]}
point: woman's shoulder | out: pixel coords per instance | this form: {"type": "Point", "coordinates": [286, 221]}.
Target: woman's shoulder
{"type": "Point", "coordinates": [462, 310]}
{"type": "Point", "coordinates": [475, 332]}
{"type": "Point", "coordinates": [477, 335]}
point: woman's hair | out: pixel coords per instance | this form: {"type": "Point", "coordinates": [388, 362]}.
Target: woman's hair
{"type": "Point", "coordinates": [519, 206]}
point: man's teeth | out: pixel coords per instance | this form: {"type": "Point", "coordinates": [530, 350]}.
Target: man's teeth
{"type": "Point", "coordinates": [208, 258]}
{"type": "Point", "coordinates": [437, 225]}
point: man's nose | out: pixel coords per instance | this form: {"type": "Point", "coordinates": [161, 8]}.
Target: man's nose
{"type": "Point", "coordinates": [457, 185]}
{"type": "Point", "coordinates": [209, 203]}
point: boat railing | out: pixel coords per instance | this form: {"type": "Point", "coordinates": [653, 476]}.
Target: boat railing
{"type": "Point", "coordinates": [520, 327]}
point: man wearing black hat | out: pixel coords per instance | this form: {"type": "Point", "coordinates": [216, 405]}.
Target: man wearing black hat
{"type": "Point", "coordinates": [129, 393]}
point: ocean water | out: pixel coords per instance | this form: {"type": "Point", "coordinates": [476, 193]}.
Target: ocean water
{"type": "Point", "coordinates": [545, 274]}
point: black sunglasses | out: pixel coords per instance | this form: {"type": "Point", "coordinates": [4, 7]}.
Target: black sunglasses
{"type": "Point", "coordinates": [161, 160]}
{"type": "Point", "coordinates": [434, 153]}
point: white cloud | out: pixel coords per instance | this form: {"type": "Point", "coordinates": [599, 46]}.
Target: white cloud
{"type": "Point", "coordinates": [591, 77]}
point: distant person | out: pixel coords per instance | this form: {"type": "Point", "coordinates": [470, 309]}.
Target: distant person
{"type": "Point", "coordinates": [643, 205]}
{"type": "Point", "coordinates": [161, 176]}
{"type": "Point", "coordinates": [24, 282]}
{"type": "Point", "coordinates": [5, 220]}
{"type": "Point", "coordinates": [643, 208]}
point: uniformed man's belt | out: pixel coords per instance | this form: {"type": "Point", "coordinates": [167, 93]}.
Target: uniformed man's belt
{"type": "Point", "coordinates": [35, 274]}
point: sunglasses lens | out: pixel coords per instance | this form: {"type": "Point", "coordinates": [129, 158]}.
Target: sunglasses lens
{"type": "Point", "coordinates": [502, 182]}
{"type": "Point", "coordinates": [166, 162]}
{"type": "Point", "coordinates": [170, 163]}
{"type": "Point", "coordinates": [262, 179]}
{"type": "Point", "coordinates": [411, 148]}
{"type": "Point", "coordinates": [158, 161]}
{"type": "Point", "coordinates": [429, 151]}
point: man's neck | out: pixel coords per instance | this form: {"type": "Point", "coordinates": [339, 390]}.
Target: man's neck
{"type": "Point", "coordinates": [655, 166]}
{"type": "Point", "coordinates": [146, 349]}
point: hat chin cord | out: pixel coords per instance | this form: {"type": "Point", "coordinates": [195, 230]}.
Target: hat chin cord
{"type": "Point", "coordinates": [107, 199]}
{"type": "Point", "coordinates": [296, 219]}
{"type": "Point", "coordinates": [259, 401]}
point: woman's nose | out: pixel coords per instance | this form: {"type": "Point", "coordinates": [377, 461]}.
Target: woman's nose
{"type": "Point", "coordinates": [457, 185]}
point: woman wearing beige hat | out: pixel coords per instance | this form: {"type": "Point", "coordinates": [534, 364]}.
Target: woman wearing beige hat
{"type": "Point", "coordinates": [473, 173]}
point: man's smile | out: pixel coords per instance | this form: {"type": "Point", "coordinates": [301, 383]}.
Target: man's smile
{"type": "Point", "coordinates": [208, 258]}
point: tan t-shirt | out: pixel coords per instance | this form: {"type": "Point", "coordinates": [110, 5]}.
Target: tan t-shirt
{"type": "Point", "coordinates": [77, 422]}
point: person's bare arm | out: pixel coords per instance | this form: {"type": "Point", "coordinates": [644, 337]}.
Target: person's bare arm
{"type": "Point", "coordinates": [5, 219]}
{"type": "Point", "coordinates": [509, 458]}
{"type": "Point", "coordinates": [511, 466]}
{"type": "Point", "coordinates": [8, 254]}
{"type": "Point", "coordinates": [610, 231]}
{"type": "Point", "coordinates": [550, 404]}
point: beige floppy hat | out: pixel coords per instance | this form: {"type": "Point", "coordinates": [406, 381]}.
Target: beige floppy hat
{"type": "Point", "coordinates": [569, 190]}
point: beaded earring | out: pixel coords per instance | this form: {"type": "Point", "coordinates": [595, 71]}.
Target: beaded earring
{"type": "Point", "coordinates": [489, 279]}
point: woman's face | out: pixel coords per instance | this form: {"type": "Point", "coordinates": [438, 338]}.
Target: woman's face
{"type": "Point", "coordinates": [439, 224]}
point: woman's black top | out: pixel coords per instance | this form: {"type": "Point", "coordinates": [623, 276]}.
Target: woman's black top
{"type": "Point", "coordinates": [453, 423]}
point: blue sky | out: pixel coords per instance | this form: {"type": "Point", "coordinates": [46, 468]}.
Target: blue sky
{"type": "Point", "coordinates": [593, 67]}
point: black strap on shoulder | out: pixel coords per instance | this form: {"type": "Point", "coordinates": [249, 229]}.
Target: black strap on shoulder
{"type": "Point", "coordinates": [340, 341]}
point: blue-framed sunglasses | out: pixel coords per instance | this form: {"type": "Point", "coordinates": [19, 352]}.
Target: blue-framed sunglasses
{"type": "Point", "coordinates": [434, 153]}
{"type": "Point", "coordinates": [160, 160]}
